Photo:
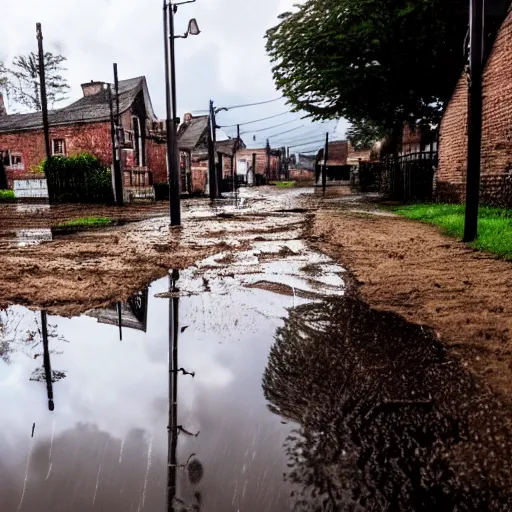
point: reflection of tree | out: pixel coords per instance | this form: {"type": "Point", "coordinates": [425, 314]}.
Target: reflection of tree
{"type": "Point", "coordinates": [388, 422]}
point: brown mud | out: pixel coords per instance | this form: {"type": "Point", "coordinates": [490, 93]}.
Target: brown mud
{"type": "Point", "coordinates": [413, 270]}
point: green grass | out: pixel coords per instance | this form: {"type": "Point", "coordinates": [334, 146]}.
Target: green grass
{"type": "Point", "coordinates": [85, 222]}
{"type": "Point", "coordinates": [282, 184]}
{"type": "Point", "coordinates": [7, 195]}
{"type": "Point", "coordinates": [494, 224]}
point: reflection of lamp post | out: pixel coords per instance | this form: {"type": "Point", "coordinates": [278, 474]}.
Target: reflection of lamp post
{"type": "Point", "coordinates": [193, 466]}
{"type": "Point", "coordinates": [171, 121]}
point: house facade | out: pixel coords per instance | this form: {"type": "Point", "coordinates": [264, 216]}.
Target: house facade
{"type": "Point", "coordinates": [85, 127]}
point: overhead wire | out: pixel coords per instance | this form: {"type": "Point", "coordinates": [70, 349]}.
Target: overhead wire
{"type": "Point", "coordinates": [270, 127]}
{"type": "Point", "coordinates": [255, 121]}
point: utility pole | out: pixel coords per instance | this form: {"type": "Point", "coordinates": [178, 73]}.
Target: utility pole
{"type": "Point", "coordinates": [287, 164]}
{"type": "Point", "coordinates": [118, 177]}
{"type": "Point", "coordinates": [213, 127]}
{"type": "Point", "coordinates": [253, 169]}
{"type": "Point", "coordinates": [212, 172]}
{"type": "Point", "coordinates": [170, 122]}
{"type": "Point", "coordinates": [324, 168]}
{"type": "Point", "coordinates": [237, 147]}
{"type": "Point", "coordinates": [268, 160]}
{"type": "Point", "coordinates": [46, 358]}
{"type": "Point", "coordinates": [476, 51]}
{"type": "Point", "coordinates": [44, 100]}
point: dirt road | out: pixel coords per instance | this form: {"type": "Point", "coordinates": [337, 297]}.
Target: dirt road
{"type": "Point", "coordinates": [428, 278]}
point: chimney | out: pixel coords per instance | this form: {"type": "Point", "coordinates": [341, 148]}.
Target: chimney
{"type": "Point", "coordinates": [91, 88]}
{"type": "Point", "coordinates": [187, 118]}
{"type": "Point", "coordinates": [3, 111]}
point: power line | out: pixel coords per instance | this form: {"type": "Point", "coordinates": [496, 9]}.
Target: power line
{"type": "Point", "coordinates": [308, 143]}
{"type": "Point", "coordinates": [288, 131]}
{"type": "Point", "coordinates": [254, 104]}
{"type": "Point", "coordinates": [271, 127]}
{"type": "Point", "coordinates": [256, 121]}
{"type": "Point", "coordinates": [305, 139]}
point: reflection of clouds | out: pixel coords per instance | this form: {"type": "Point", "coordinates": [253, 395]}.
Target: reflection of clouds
{"type": "Point", "coordinates": [387, 420]}
{"type": "Point", "coordinates": [115, 396]}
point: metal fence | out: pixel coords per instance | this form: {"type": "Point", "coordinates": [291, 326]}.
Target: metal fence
{"type": "Point", "coordinates": [408, 177]}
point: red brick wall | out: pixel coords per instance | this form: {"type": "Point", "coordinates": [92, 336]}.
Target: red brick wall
{"type": "Point", "coordinates": [156, 159]}
{"type": "Point", "coordinates": [301, 174]}
{"type": "Point", "coordinates": [92, 138]}
{"type": "Point", "coordinates": [496, 164]}
{"type": "Point", "coordinates": [261, 161]}
{"type": "Point", "coordinates": [199, 170]}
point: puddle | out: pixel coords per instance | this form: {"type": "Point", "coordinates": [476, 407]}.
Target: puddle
{"type": "Point", "coordinates": [286, 394]}
{"type": "Point", "coordinates": [25, 237]}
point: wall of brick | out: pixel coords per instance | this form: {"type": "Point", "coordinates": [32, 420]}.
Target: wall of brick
{"type": "Point", "coordinates": [79, 138]}
{"type": "Point", "coordinates": [261, 161]}
{"type": "Point", "coordinates": [156, 159]}
{"type": "Point", "coordinates": [496, 163]}
{"type": "Point", "coordinates": [199, 169]}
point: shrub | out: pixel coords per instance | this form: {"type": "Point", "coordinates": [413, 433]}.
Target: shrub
{"type": "Point", "coordinates": [7, 196]}
{"type": "Point", "coordinates": [81, 178]}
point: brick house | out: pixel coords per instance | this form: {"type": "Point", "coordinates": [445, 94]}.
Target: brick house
{"type": "Point", "coordinates": [251, 163]}
{"type": "Point", "coordinates": [84, 126]}
{"type": "Point", "coordinates": [496, 161]}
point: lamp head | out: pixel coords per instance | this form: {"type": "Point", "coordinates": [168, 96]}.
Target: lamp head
{"type": "Point", "coordinates": [193, 27]}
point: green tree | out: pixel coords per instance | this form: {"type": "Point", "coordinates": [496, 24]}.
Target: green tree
{"type": "Point", "coordinates": [364, 134]}
{"type": "Point", "coordinates": [21, 80]}
{"type": "Point", "coordinates": [380, 61]}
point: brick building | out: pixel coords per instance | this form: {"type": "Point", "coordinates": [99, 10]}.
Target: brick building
{"type": "Point", "coordinates": [496, 162]}
{"type": "Point", "coordinates": [251, 163]}
{"type": "Point", "coordinates": [84, 126]}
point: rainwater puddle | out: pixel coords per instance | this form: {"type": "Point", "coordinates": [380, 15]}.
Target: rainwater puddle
{"type": "Point", "coordinates": [25, 237]}
{"type": "Point", "coordinates": [286, 394]}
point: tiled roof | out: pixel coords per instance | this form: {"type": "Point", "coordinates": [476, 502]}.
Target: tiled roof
{"type": "Point", "coordinates": [87, 109]}
{"type": "Point", "coordinates": [190, 135]}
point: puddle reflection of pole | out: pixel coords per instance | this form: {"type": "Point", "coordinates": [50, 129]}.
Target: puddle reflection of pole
{"type": "Point", "coordinates": [173, 391]}
{"type": "Point", "coordinates": [119, 321]}
{"type": "Point", "coordinates": [47, 365]}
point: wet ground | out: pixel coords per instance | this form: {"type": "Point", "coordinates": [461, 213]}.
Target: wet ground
{"type": "Point", "coordinates": [254, 380]}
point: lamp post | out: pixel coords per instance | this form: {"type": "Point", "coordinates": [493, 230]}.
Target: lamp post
{"type": "Point", "coordinates": [476, 48]}
{"type": "Point", "coordinates": [173, 164]}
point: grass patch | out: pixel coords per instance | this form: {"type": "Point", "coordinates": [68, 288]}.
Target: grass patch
{"type": "Point", "coordinates": [494, 224]}
{"type": "Point", "coordinates": [7, 196]}
{"type": "Point", "coordinates": [85, 222]}
{"type": "Point", "coordinates": [282, 184]}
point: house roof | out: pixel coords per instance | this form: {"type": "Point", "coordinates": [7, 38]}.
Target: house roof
{"type": "Point", "coordinates": [190, 134]}
{"type": "Point", "coordinates": [227, 147]}
{"type": "Point", "coordinates": [87, 109]}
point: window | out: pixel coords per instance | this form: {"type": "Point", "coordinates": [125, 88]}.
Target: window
{"type": "Point", "coordinates": [58, 147]}
{"type": "Point", "coordinates": [16, 161]}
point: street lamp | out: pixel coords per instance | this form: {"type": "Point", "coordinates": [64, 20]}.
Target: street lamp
{"type": "Point", "coordinates": [173, 163]}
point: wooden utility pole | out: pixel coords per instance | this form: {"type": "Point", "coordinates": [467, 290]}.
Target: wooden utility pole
{"type": "Point", "coordinates": [46, 357]}
{"type": "Point", "coordinates": [253, 169]}
{"type": "Point", "coordinates": [44, 100]}
{"type": "Point", "coordinates": [268, 160]}
{"type": "Point", "coordinates": [324, 168]}
{"type": "Point", "coordinates": [287, 164]}
{"type": "Point", "coordinates": [476, 52]}
{"type": "Point", "coordinates": [118, 177]}
{"type": "Point", "coordinates": [212, 173]}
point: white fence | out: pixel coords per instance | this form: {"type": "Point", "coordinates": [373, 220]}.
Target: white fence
{"type": "Point", "coordinates": [30, 188]}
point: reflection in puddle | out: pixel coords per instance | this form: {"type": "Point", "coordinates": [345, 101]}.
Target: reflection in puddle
{"type": "Point", "coordinates": [360, 410]}
{"type": "Point", "coordinates": [132, 314]}
{"type": "Point", "coordinates": [387, 420]}
{"type": "Point", "coordinates": [26, 237]}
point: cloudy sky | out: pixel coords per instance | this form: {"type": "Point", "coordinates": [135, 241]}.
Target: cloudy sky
{"type": "Point", "coordinates": [226, 63]}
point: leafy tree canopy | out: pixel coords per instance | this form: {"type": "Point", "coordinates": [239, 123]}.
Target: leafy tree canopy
{"type": "Point", "coordinates": [21, 80]}
{"type": "Point", "coordinates": [364, 134]}
{"type": "Point", "coordinates": [384, 62]}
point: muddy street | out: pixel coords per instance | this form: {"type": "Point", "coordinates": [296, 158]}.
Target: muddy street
{"type": "Point", "coordinates": [250, 377]}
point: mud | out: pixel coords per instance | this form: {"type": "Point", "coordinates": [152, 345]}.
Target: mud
{"type": "Point", "coordinates": [428, 278]}
{"type": "Point", "coordinates": [67, 274]}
